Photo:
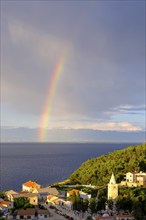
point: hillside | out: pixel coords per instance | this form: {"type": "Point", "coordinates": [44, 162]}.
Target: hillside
{"type": "Point", "coordinates": [97, 171]}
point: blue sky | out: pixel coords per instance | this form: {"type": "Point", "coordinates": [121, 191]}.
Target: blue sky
{"type": "Point", "coordinates": [101, 92]}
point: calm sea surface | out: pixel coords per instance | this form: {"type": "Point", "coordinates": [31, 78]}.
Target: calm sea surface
{"type": "Point", "coordinates": [46, 163]}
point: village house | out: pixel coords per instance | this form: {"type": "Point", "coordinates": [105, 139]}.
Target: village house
{"type": "Point", "coordinates": [84, 195]}
{"type": "Point", "coordinates": [43, 214]}
{"type": "Point", "coordinates": [44, 192]}
{"type": "Point", "coordinates": [26, 214]}
{"type": "Point", "coordinates": [32, 197]}
{"type": "Point", "coordinates": [32, 213]}
{"type": "Point", "coordinates": [141, 179]}
{"type": "Point", "coordinates": [52, 200]}
{"type": "Point", "coordinates": [6, 206]}
{"type": "Point", "coordinates": [9, 194]}
{"type": "Point", "coordinates": [30, 186]}
{"type": "Point", "coordinates": [134, 179]}
{"type": "Point", "coordinates": [72, 192]}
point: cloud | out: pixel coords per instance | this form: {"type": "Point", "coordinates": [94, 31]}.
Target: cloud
{"type": "Point", "coordinates": [102, 126]}
{"type": "Point", "coordinates": [99, 74]}
{"type": "Point", "coordinates": [46, 48]}
{"type": "Point", "coordinates": [127, 109]}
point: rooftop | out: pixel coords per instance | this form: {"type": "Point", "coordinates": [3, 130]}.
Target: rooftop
{"type": "Point", "coordinates": [73, 191]}
{"type": "Point", "coordinates": [26, 212]}
{"type": "Point", "coordinates": [24, 195]}
{"type": "Point", "coordinates": [5, 203]}
{"type": "Point", "coordinates": [50, 190]}
{"type": "Point", "coordinates": [31, 184]}
{"type": "Point", "coordinates": [10, 192]}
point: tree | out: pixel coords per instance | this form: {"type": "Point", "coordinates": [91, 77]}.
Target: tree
{"type": "Point", "coordinates": [3, 194]}
{"type": "Point", "coordinates": [89, 218]}
{"type": "Point", "coordinates": [110, 204]}
{"type": "Point", "coordinates": [101, 203]}
{"type": "Point", "coordinates": [79, 205]}
{"type": "Point", "coordinates": [92, 205]}
{"type": "Point", "coordinates": [22, 202]}
{"type": "Point", "coordinates": [85, 204]}
{"type": "Point", "coordinates": [124, 203]}
{"type": "Point", "coordinates": [72, 198]}
{"type": "Point", "coordinates": [137, 212]}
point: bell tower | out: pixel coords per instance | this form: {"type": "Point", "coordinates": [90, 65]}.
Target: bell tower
{"type": "Point", "coordinates": [112, 188]}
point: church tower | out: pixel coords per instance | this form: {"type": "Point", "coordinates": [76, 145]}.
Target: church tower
{"type": "Point", "coordinates": [112, 188]}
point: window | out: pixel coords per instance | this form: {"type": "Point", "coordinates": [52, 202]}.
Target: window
{"type": "Point", "coordinates": [21, 216]}
{"type": "Point", "coordinates": [28, 217]}
{"type": "Point", "coordinates": [45, 216]}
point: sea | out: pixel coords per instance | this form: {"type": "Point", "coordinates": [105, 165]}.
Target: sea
{"type": "Point", "coordinates": [46, 163]}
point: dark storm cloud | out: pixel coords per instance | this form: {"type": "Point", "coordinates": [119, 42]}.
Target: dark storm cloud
{"type": "Point", "coordinates": [105, 63]}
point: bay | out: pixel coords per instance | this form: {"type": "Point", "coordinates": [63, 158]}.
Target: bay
{"type": "Point", "coordinates": [46, 163]}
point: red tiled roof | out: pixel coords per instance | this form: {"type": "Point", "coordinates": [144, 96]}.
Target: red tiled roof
{"type": "Point", "coordinates": [26, 212]}
{"type": "Point", "coordinates": [30, 184]}
{"type": "Point", "coordinates": [5, 203]}
{"type": "Point", "coordinates": [73, 191]}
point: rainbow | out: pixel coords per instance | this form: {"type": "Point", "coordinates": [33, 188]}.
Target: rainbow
{"type": "Point", "coordinates": [49, 101]}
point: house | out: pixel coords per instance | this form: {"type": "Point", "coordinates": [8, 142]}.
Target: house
{"type": "Point", "coordinates": [32, 197]}
{"type": "Point", "coordinates": [84, 195]}
{"type": "Point", "coordinates": [9, 194]}
{"type": "Point", "coordinates": [5, 206]}
{"type": "Point", "coordinates": [141, 179]}
{"type": "Point", "coordinates": [131, 177]}
{"type": "Point", "coordinates": [72, 192]}
{"type": "Point", "coordinates": [30, 186]}
{"type": "Point", "coordinates": [32, 213]}
{"type": "Point", "coordinates": [43, 214]}
{"type": "Point", "coordinates": [51, 199]}
{"type": "Point", "coordinates": [26, 214]}
{"type": "Point", "coordinates": [134, 179]}
{"type": "Point", "coordinates": [44, 192]}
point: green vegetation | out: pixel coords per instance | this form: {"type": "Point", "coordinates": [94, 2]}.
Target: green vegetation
{"type": "Point", "coordinates": [97, 171]}
{"type": "Point", "coordinates": [132, 199]}
{"type": "Point", "coordinates": [22, 202]}
{"type": "Point", "coordinates": [3, 195]}
{"type": "Point", "coordinates": [129, 199]}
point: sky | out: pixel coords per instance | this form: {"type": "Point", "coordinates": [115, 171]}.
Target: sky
{"type": "Point", "coordinates": [99, 93]}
